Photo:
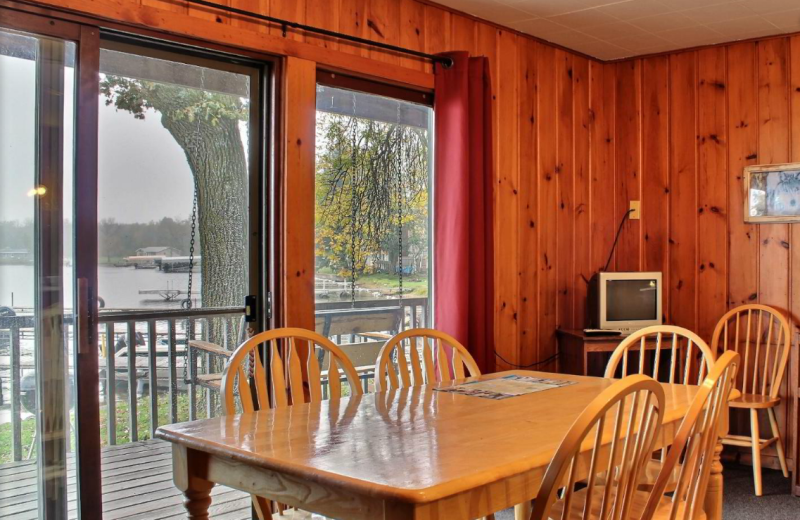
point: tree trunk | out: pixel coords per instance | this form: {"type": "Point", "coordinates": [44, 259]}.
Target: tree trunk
{"type": "Point", "coordinates": [216, 157]}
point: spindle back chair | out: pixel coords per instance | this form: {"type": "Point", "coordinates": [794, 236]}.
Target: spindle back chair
{"type": "Point", "coordinates": [692, 451]}
{"type": "Point", "coordinates": [690, 358]}
{"type": "Point", "coordinates": [417, 357]}
{"type": "Point", "coordinates": [614, 435]}
{"type": "Point", "coordinates": [761, 336]}
{"type": "Point", "coordinates": [266, 371]}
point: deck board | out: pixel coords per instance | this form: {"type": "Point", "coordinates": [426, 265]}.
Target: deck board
{"type": "Point", "coordinates": [137, 483]}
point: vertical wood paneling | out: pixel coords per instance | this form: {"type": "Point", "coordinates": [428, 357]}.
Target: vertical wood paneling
{"type": "Point", "coordinates": [583, 202]}
{"type": "Point", "coordinates": [565, 182]}
{"type": "Point", "coordinates": [712, 228]}
{"type": "Point", "coordinates": [412, 32]}
{"type": "Point", "coordinates": [601, 104]}
{"type": "Point", "coordinates": [353, 21]}
{"type": "Point", "coordinates": [437, 32]}
{"type": "Point", "coordinates": [507, 198]}
{"type": "Point", "coordinates": [742, 151]}
{"type": "Point", "coordinates": [773, 147]}
{"type": "Point", "coordinates": [324, 14]}
{"type": "Point", "coordinates": [464, 34]}
{"type": "Point", "coordinates": [655, 170]}
{"type": "Point", "coordinates": [383, 25]}
{"type": "Point", "coordinates": [547, 108]}
{"type": "Point", "coordinates": [294, 11]}
{"type": "Point", "coordinates": [628, 97]}
{"type": "Point", "coordinates": [174, 6]}
{"type": "Point", "coordinates": [528, 313]}
{"type": "Point", "coordinates": [683, 182]}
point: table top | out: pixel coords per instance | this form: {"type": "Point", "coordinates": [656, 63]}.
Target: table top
{"type": "Point", "coordinates": [417, 445]}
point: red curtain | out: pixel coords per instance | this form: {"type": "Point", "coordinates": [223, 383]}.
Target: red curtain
{"type": "Point", "coordinates": [463, 206]}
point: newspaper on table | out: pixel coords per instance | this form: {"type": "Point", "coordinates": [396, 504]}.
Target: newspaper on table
{"type": "Point", "coordinates": [506, 386]}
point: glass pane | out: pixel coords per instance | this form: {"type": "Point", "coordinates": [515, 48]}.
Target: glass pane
{"type": "Point", "coordinates": [37, 421]}
{"type": "Point", "coordinates": [372, 219]}
{"type": "Point", "coordinates": [174, 174]}
{"type": "Point", "coordinates": [167, 128]}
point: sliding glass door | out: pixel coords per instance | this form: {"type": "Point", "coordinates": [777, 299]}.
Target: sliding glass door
{"type": "Point", "coordinates": [41, 333]}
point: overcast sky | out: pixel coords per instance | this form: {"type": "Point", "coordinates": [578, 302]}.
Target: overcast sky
{"type": "Point", "coordinates": [143, 172]}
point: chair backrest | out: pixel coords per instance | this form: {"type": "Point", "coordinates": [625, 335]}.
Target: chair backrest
{"type": "Point", "coordinates": [690, 358]}
{"type": "Point", "coordinates": [443, 359]}
{"type": "Point", "coordinates": [614, 436]}
{"type": "Point", "coordinates": [247, 366]}
{"type": "Point", "coordinates": [760, 335]}
{"type": "Point", "coordinates": [694, 445]}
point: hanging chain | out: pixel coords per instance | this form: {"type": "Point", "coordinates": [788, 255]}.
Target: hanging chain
{"type": "Point", "coordinates": [194, 146]}
{"type": "Point", "coordinates": [354, 212]}
{"type": "Point", "coordinates": [188, 304]}
{"type": "Point", "coordinates": [400, 207]}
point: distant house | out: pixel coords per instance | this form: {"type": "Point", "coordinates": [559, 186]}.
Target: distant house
{"type": "Point", "coordinates": [158, 251]}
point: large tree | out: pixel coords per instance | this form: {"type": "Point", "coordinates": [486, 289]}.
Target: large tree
{"type": "Point", "coordinates": [206, 125]}
{"type": "Point", "coordinates": [371, 177]}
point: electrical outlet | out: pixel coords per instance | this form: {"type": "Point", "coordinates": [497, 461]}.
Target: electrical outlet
{"type": "Point", "coordinates": [636, 210]}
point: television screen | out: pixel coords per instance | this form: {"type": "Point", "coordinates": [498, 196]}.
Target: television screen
{"type": "Point", "coordinates": [631, 300]}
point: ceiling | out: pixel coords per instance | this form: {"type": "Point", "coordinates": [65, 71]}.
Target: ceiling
{"type": "Point", "coordinates": [614, 29]}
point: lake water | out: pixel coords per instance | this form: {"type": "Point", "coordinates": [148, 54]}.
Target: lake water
{"type": "Point", "coordinates": [118, 286]}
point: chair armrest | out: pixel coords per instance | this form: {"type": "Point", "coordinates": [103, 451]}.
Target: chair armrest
{"type": "Point", "coordinates": [211, 348]}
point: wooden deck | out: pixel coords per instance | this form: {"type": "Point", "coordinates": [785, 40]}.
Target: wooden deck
{"type": "Point", "coordinates": [137, 484]}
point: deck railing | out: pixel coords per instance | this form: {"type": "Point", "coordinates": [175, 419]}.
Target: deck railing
{"type": "Point", "coordinates": [142, 352]}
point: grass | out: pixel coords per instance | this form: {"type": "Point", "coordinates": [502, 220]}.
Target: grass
{"type": "Point", "coordinates": [122, 424]}
{"type": "Point", "coordinates": [414, 286]}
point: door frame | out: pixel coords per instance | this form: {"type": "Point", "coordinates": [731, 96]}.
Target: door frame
{"type": "Point", "coordinates": [85, 375]}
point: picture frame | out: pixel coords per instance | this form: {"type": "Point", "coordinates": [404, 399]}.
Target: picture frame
{"type": "Point", "coordinates": [772, 193]}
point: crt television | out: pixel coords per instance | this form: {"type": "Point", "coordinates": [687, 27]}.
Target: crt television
{"type": "Point", "coordinates": [625, 301]}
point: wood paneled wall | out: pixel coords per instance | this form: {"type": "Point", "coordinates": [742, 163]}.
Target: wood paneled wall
{"type": "Point", "coordinates": [575, 141]}
{"type": "Point", "coordinates": [554, 142]}
{"type": "Point", "coordinates": [686, 126]}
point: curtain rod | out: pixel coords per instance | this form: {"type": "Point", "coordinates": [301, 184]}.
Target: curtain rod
{"type": "Point", "coordinates": [446, 62]}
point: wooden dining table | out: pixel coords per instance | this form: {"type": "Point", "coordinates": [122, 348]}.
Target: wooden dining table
{"type": "Point", "coordinates": [401, 454]}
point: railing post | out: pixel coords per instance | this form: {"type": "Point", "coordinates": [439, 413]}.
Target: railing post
{"type": "Point", "coordinates": [133, 419]}
{"type": "Point", "coordinates": [16, 408]}
{"type": "Point", "coordinates": [191, 370]}
{"type": "Point", "coordinates": [111, 386]}
{"type": "Point", "coordinates": [153, 376]}
{"type": "Point", "coordinates": [173, 372]}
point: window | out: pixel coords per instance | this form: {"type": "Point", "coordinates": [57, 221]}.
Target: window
{"type": "Point", "coordinates": [373, 178]}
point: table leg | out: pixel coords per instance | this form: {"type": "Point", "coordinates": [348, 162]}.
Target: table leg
{"type": "Point", "coordinates": [713, 502]}
{"type": "Point", "coordinates": [198, 499]}
{"type": "Point", "coordinates": [188, 470]}
{"type": "Point", "coordinates": [523, 511]}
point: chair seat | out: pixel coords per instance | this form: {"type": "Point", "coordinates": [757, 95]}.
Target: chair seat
{"type": "Point", "coordinates": [652, 470]}
{"type": "Point", "coordinates": [636, 511]}
{"type": "Point", "coordinates": [754, 401]}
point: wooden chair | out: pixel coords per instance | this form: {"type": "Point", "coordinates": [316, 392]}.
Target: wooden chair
{"type": "Point", "coordinates": [687, 468]}
{"type": "Point", "coordinates": [614, 435]}
{"type": "Point", "coordinates": [245, 374]}
{"type": "Point", "coordinates": [761, 336]}
{"type": "Point", "coordinates": [405, 349]}
{"type": "Point", "coordinates": [690, 359]}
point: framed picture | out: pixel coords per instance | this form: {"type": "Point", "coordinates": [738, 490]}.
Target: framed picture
{"type": "Point", "coordinates": [772, 193]}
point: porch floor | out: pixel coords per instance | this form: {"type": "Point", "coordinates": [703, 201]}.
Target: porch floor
{"type": "Point", "coordinates": [137, 484]}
